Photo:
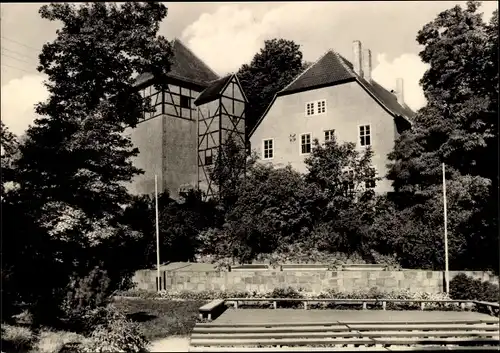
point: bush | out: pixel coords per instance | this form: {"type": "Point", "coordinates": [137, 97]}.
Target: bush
{"type": "Point", "coordinates": [465, 287]}
{"type": "Point", "coordinates": [114, 333]}
{"type": "Point", "coordinates": [17, 338]}
{"type": "Point", "coordinates": [289, 292]}
{"type": "Point", "coordinates": [84, 298]}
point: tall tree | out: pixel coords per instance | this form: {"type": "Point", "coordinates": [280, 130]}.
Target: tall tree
{"type": "Point", "coordinates": [229, 170]}
{"type": "Point", "coordinates": [75, 159]}
{"type": "Point", "coordinates": [9, 150]}
{"type": "Point", "coordinates": [458, 127]}
{"type": "Point", "coordinates": [345, 178]}
{"type": "Point", "coordinates": [91, 66]}
{"type": "Point", "coordinates": [270, 70]}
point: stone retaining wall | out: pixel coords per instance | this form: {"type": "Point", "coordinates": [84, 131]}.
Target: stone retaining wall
{"type": "Point", "coordinates": [313, 281]}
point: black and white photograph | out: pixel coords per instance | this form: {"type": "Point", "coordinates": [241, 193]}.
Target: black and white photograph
{"type": "Point", "coordinates": [249, 176]}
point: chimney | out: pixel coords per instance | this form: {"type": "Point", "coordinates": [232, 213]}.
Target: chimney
{"type": "Point", "coordinates": [367, 64]}
{"type": "Point", "coordinates": [356, 57]}
{"type": "Point", "coordinates": [400, 91]}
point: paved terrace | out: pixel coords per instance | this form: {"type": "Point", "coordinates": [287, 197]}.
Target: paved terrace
{"type": "Point", "coordinates": [250, 316]}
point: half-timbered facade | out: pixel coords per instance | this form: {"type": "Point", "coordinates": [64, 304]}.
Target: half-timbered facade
{"type": "Point", "coordinates": [178, 140]}
{"type": "Point", "coordinates": [221, 115]}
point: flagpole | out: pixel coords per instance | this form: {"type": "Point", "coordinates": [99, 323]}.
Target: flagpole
{"type": "Point", "coordinates": [157, 236]}
{"type": "Point", "coordinates": [447, 277]}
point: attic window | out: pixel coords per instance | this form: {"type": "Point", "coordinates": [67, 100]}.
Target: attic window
{"type": "Point", "coordinates": [316, 107]}
{"type": "Point", "coordinates": [321, 106]}
{"type": "Point", "coordinates": [185, 102]}
{"type": "Point", "coordinates": [309, 109]}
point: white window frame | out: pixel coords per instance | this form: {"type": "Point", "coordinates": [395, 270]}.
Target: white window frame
{"type": "Point", "coordinates": [316, 107]}
{"type": "Point", "coordinates": [365, 135]}
{"type": "Point", "coordinates": [264, 148]}
{"type": "Point", "coordinates": [310, 142]}
{"type": "Point", "coordinates": [332, 134]}
{"type": "Point", "coordinates": [309, 106]}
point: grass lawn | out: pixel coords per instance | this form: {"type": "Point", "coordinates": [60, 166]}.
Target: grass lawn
{"type": "Point", "coordinates": [161, 318]}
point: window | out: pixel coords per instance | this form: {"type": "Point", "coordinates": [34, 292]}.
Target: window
{"type": "Point", "coordinates": [208, 157]}
{"type": "Point", "coordinates": [365, 135]}
{"type": "Point", "coordinates": [185, 102]}
{"type": "Point", "coordinates": [268, 150]}
{"type": "Point", "coordinates": [329, 135]}
{"type": "Point", "coordinates": [321, 106]}
{"type": "Point", "coordinates": [370, 179]}
{"type": "Point", "coordinates": [309, 109]}
{"type": "Point", "coordinates": [305, 143]}
{"type": "Point", "coordinates": [316, 107]}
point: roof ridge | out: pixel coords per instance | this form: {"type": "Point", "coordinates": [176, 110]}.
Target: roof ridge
{"type": "Point", "coordinates": [303, 72]}
{"type": "Point", "coordinates": [196, 56]}
{"type": "Point", "coordinates": [361, 79]}
{"type": "Point", "coordinates": [241, 87]}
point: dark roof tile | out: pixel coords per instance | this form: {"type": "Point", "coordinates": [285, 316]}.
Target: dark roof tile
{"type": "Point", "coordinates": [213, 91]}
{"type": "Point", "coordinates": [185, 66]}
{"type": "Point", "coordinates": [387, 98]}
{"type": "Point", "coordinates": [333, 68]}
{"type": "Point", "coordinates": [329, 69]}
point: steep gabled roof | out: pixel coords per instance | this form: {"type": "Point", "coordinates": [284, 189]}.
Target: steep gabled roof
{"type": "Point", "coordinates": [329, 69]}
{"type": "Point", "coordinates": [186, 66]}
{"type": "Point", "coordinates": [213, 91]}
{"type": "Point", "coordinates": [216, 88]}
{"type": "Point", "coordinates": [332, 68]}
{"type": "Point", "coordinates": [387, 98]}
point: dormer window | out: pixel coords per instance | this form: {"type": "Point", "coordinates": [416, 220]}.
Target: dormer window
{"type": "Point", "coordinates": [315, 108]}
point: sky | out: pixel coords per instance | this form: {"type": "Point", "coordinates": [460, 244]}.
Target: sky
{"type": "Point", "coordinates": [227, 35]}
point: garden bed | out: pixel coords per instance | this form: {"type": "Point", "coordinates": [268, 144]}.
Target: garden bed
{"type": "Point", "coordinates": [161, 318]}
{"type": "Point", "coordinates": [155, 318]}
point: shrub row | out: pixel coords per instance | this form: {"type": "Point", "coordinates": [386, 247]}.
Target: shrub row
{"type": "Point", "coordinates": [288, 292]}
{"type": "Point", "coordinates": [465, 287]}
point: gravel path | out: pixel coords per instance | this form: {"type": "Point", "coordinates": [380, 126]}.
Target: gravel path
{"type": "Point", "coordinates": [170, 344]}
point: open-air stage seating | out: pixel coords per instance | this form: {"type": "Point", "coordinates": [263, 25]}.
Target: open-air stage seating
{"type": "Point", "coordinates": [476, 333]}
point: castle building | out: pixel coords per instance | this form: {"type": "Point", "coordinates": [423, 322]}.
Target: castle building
{"type": "Point", "coordinates": [333, 97]}
{"type": "Point", "coordinates": [191, 120]}
{"type": "Point", "coordinates": [199, 110]}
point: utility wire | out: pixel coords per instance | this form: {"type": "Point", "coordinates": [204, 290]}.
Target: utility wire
{"type": "Point", "coordinates": [21, 60]}
{"type": "Point", "coordinates": [24, 45]}
{"type": "Point", "coordinates": [18, 53]}
{"type": "Point", "coordinates": [17, 68]}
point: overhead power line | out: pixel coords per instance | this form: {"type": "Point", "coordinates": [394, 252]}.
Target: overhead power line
{"type": "Point", "coordinates": [17, 68]}
{"type": "Point", "coordinates": [24, 45]}
{"type": "Point", "coordinates": [18, 53]}
{"type": "Point", "coordinates": [17, 59]}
